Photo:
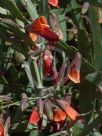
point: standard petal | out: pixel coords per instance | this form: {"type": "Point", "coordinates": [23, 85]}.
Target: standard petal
{"type": "Point", "coordinates": [59, 115]}
{"type": "Point", "coordinates": [72, 113]}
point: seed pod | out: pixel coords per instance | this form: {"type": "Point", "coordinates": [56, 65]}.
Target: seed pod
{"type": "Point", "coordinates": [54, 22]}
{"type": "Point", "coordinates": [100, 16]}
{"type": "Point", "coordinates": [48, 62]}
{"type": "Point", "coordinates": [44, 121]}
{"type": "Point", "coordinates": [55, 76]}
{"type": "Point", "coordinates": [48, 110]}
{"type": "Point", "coordinates": [85, 7]}
{"type": "Point", "coordinates": [67, 98]}
{"type": "Point", "coordinates": [99, 89]}
{"type": "Point", "coordinates": [18, 58]}
{"type": "Point", "coordinates": [5, 98]}
{"type": "Point", "coordinates": [40, 106]}
{"type": "Point", "coordinates": [24, 103]}
{"type": "Point", "coordinates": [61, 103]}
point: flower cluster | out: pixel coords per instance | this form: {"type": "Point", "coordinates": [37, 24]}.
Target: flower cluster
{"type": "Point", "coordinates": [55, 111]}
{"type": "Point", "coordinates": [41, 27]}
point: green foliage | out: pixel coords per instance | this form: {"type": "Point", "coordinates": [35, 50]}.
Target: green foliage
{"type": "Point", "coordinates": [22, 68]}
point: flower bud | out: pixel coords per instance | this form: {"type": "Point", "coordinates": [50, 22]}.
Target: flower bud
{"type": "Point", "coordinates": [48, 110]}
{"type": "Point", "coordinates": [40, 105]}
{"type": "Point", "coordinates": [85, 7]}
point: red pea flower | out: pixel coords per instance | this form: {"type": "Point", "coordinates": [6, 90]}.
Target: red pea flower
{"type": "Point", "coordinates": [34, 117]}
{"type": "Point", "coordinates": [41, 27]}
{"type": "Point", "coordinates": [70, 111]}
{"type": "Point", "coordinates": [53, 3]}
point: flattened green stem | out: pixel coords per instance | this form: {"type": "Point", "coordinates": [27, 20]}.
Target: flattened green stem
{"type": "Point", "coordinates": [89, 127]}
{"type": "Point", "coordinates": [71, 51]}
{"type": "Point", "coordinates": [37, 75]}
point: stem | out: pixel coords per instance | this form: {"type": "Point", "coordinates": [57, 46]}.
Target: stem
{"type": "Point", "coordinates": [37, 75]}
{"type": "Point", "coordinates": [90, 127]}
{"type": "Point", "coordinates": [70, 51]}
{"type": "Point", "coordinates": [17, 103]}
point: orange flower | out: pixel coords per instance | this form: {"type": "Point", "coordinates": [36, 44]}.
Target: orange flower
{"type": "Point", "coordinates": [59, 115]}
{"type": "Point", "coordinates": [53, 3]}
{"type": "Point", "coordinates": [73, 114]}
{"type": "Point", "coordinates": [74, 69]}
{"type": "Point", "coordinates": [74, 74]}
{"type": "Point", "coordinates": [39, 24]}
{"type": "Point", "coordinates": [41, 27]}
{"type": "Point", "coordinates": [1, 129]}
{"type": "Point", "coordinates": [70, 112]}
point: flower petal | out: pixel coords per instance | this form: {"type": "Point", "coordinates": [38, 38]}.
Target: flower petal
{"type": "Point", "coordinates": [48, 62]}
{"type": "Point", "coordinates": [40, 106]}
{"type": "Point", "coordinates": [55, 76]}
{"type": "Point", "coordinates": [39, 24]}
{"type": "Point", "coordinates": [34, 117]}
{"type": "Point", "coordinates": [53, 3]}
{"type": "Point", "coordinates": [73, 114]}
{"type": "Point", "coordinates": [58, 115]}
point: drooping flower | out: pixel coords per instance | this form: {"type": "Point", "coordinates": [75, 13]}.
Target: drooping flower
{"type": "Point", "coordinates": [70, 111]}
{"type": "Point", "coordinates": [55, 76]}
{"type": "Point", "coordinates": [53, 3]}
{"type": "Point", "coordinates": [74, 69]}
{"type": "Point", "coordinates": [48, 62]}
{"type": "Point", "coordinates": [59, 115]}
{"type": "Point", "coordinates": [55, 25]}
{"type": "Point", "coordinates": [49, 69]}
{"type": "Point", "coordinates": [41, 27]}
